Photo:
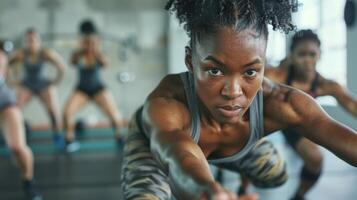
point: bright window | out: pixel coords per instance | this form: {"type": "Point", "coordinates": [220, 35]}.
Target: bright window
{"type": "Point", "coordinates": [326, 18]}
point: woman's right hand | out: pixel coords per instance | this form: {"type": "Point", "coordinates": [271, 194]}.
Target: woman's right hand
{"type": "Point", "coordinates": [216, 192]}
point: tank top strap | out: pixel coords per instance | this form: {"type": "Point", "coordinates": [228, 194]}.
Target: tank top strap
{"type": "Point", "coordinates": [290, 76]}
{"type": "Point", "coordinates": [315, 84]}
{"type": "Point", "coordinates": [40, 58]}
{"type": "Point", "coordinates": [192, 102]}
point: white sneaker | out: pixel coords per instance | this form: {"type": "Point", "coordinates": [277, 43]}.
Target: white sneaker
{"type": "Point", "coordinates": [72, 147]}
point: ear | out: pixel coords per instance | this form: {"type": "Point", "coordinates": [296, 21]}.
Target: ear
{"type": "Point", "coordinates": [188, 58]}
{"type": "Point", "coordinates": [319, 55]}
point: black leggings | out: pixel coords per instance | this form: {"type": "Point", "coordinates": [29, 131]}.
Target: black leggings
{"type": "Point", "coordinates": [292, 137]}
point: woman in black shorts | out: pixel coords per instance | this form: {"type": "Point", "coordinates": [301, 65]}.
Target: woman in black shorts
{"type": "Point", "coordinates": [89, 61]}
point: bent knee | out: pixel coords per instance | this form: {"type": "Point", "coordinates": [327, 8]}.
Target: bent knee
{"type": "Point", "coordinates": [17, 149]}
{"type": "Point", "coordinates": [67, 115]}
{"type": "Point", "coordinates": [314, 161]}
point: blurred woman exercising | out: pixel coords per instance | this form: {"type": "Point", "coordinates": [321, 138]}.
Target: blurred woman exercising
{"type": "Point", "coordinates": [35, 82]}
{"type": "Point", "coordinates": [299, 71]}
{"type": "Point", "coordinates": [12, 128]}
{"type": "Point", "coordinates": [90, 61]}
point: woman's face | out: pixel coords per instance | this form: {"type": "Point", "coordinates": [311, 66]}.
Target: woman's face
{"type": "Point", "coordinates": [32, 41]}
{"type": "Point", "coordinates": [89, 43]}
{"type": "Point", "coordinates": [228, 68]}
{"type": "Point", "coordinates": [304, 56]}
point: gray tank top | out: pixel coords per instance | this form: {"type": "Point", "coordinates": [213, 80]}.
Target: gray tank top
{"type": "Point", "coordinates": [256, 122]}
{"type": "Point", "coordinates": [34, 71]}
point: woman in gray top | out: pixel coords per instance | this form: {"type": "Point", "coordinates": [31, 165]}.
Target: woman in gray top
{"type": "Point", "coordinates": [13, 131]}
{"type": "Point", "coordinates": [35, 82]}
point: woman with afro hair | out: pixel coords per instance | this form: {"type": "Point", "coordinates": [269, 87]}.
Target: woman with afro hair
{"type": "Point", "coordinates": [220, 109]}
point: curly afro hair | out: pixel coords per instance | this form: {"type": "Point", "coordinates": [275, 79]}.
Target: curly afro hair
{"type": "Point", "coordinates": [304, 35]}
{"type": "Point", "coordinates": [199, 16]}
{"type": "Point", "coordinates": [87, 27]}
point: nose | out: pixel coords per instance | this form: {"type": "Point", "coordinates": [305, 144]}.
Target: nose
{"type": "Point", "coordinates": [309, 62]}
{"type": "Point", "coordinates": [232, 89]}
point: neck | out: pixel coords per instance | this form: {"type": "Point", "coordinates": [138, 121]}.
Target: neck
{"type": "Point", "coordinates": [303, 77]}
{"type": "Point", "coordinates": [33, 51]}
{"type": "Point", "coordinates": [89, 53]}
{"type": "Point", "coordinates": [204, 114]}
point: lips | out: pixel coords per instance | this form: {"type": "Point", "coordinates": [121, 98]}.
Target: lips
{"type": "Point", "coordinates": [230, 111]}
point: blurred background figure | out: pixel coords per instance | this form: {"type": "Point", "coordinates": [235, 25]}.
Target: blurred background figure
{"type": "Point", "coordinates": [35, 82]}
{"type": "Point", "coordinates": [90, 61]}
{"type": "Point", "coordinates": [12, 129]}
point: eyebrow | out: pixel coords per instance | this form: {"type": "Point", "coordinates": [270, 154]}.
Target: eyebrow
{"type": "Point", "coordinates": [255, 61]}
{"type": "Point", "coordinates": [212, 58]}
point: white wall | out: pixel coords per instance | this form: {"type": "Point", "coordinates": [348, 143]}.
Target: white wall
{"type": "Point", "coordinates": [337, 112]}
{"type": "Point", "coordinates": [177, 40]}
{"type": "Point", "coordinates": [352, 57]}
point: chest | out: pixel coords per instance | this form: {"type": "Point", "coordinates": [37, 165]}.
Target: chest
{"type": "Point", "coordinates": [222, 143]}
{"type": "Point", "coordinates": [89, 61]}
{"type": "Point", "coordinates": [306, 87]}
{"type": "Point", "coordinates": [33, 61]}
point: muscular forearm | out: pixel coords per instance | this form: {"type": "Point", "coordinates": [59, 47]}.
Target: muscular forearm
{"type": "Point", "coordinates": [3, 64]}
{"type": "Point", "coordinates": [10, 77]}
{"type": "Point", "coordinates": [344, 144]}
{"type": "Point", "coordinates": [13, 61]}
{"type": "Point", "coordinates": [349, 104]}
{"type": "Point", "coordinates": [339, 139]}
{"type": "Point", "coordinates": [102, 61]}
{"type": "Point", "coordinates": [187, 166]}
{"type": "Point", "coordinates": [347, 100]}
{"type": "Point", "coordinates": [75, 57]}
{"type": "Point", "coordinates": [190, 173]}
{"type": "Point", "coordinates": [352, 109]}
{"type": "Point", "coordinates": [60, 73]}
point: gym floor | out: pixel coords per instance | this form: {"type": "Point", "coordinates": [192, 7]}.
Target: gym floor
{"type": "Point", "coordinates": [94, 172]}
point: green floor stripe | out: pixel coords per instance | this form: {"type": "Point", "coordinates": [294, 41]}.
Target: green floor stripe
{"type": "Point", "coordinates": [86, 133]}
{"type": "Point", "coordinates": [87, 146]}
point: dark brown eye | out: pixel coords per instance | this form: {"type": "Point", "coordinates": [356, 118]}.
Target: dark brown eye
{"type": "Point", "coordinates": [250, 73]}
{"type": "Point", "coordinates": [215, 72]}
